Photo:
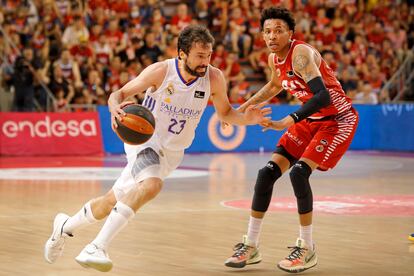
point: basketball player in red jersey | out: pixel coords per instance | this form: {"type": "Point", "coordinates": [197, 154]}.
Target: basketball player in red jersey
{"type": "Point", "coordinates": [317, 135]}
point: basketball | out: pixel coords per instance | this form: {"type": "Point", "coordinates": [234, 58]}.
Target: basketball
{"type": "Point", "coordinates": [137, 125]}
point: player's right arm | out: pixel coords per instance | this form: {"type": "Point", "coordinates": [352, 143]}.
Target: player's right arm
{"type": "Point", "coordinates": [271, 89]}
{"type": "Point", "coordinates": [151, 76]}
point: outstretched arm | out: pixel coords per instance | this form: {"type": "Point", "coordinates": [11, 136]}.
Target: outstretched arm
{"type": "Point", "coordinates": [271, 89]}
{"type": "Point", "coordinates": [254, 114]}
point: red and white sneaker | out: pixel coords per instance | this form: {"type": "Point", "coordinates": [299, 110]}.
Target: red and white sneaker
{"type": "Point", "coordinates": [245, 254]}
{"type": "Point", "coordinates": [300, 258]}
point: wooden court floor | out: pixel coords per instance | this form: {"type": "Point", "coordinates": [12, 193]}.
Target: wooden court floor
{"type": "Point", "coordinates": [364, 211]}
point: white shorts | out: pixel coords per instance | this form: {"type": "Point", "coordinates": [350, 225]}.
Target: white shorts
{"type": "Point", "coordinates": [145, 161]}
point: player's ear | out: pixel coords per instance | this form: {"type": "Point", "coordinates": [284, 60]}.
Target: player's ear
{"type": "Point", "coordinates": [181, 54]}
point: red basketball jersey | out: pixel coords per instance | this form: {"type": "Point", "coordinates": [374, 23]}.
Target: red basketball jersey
{"type": "Point", "coordinates": [296, 86]}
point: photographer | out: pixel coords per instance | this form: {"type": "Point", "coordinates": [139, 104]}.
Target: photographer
{"type": "Point", "coordinates": [23, 81]}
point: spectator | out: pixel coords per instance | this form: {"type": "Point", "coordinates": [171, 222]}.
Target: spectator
{"type": "Point", "coordinates": [150, 49]}
{"type": "Point", "coordinates": [171, 49]}
{"type": "Point", "coordinates": [366, 96]}
{"type": "Point", "coordinates": [239, 93]}
{"type": "Point", "coordinates": [23, 81]}
{"type": "Point", "coordinates": [240, 41]}
{"type": "Point", "coordinates": [233, 71]}
{"type": "Point", "coordinates": [73, 33]}
{"type": "Point", "coordinates": [70, 68]}
{"type": "Point", "coordinates": [348, 84]}
{"type": "Point", "coordinates": [115, 37]}
{"type": "Point", "coordinates": [181, 20]}
{"type": "Point", "coordinates": [60, 84]}
{"type": "Point", "coordinates": [93, 89]}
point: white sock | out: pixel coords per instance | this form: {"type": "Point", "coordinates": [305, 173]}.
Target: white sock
{"type": "Point", "coordinates": [305, 233]}
{"type": "Point", "coordinates": [82, 218]}
{"type": "Point", "coordinates": [253, 232]}
{"type": "Point", "coordinates": [116, 221]}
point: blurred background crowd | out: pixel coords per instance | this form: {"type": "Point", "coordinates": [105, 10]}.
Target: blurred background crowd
{"type": "Point", "coordinates": [77, 52]}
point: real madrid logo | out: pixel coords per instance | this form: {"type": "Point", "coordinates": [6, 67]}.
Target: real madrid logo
{"type": "Point", "coordinates": [170, 89]}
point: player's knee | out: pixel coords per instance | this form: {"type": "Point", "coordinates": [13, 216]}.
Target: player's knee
{"type": "Point", "coordinates": [266, 178]}
{"type": "Point", "coordinates": [299, 176]}
{"type": "Point", "coordinates": [263, 189]}
{"type": "Point", "coordinates": [152, 188]}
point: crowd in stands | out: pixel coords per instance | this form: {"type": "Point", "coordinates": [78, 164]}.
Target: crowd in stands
{"type": "Point", "coordinates": [82, 50]}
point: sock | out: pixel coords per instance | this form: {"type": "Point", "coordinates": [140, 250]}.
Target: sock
{"type": "Point", "coordinates": [253, 232]}
{"type": "Point", "coordinates": [116, 221]}
{"type": "Point", "coordinates": [305, 233]}
{"type": "Point", "coordinates": [82, 218]}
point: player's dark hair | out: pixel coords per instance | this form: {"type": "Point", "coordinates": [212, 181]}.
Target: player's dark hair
{"type": "Point", "coordinates": [278, 13]}
{"type": "Point", "coordinates": [193, 34]}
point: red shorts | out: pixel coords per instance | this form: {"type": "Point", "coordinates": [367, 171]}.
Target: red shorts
{"type": "Point", "coordinates": [322, 141]}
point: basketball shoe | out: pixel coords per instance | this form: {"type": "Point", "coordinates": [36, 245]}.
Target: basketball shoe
{"type": "Point", "coordinates": [300, 258]}
{"type": "Point", "coordinates": [94, 257]}
{"type": "Point", "coordinates": [411, 237]}
{"type": "Point", "coordinates": [245, 254]}
{"type": "Point", "coordinates": [55, 244]}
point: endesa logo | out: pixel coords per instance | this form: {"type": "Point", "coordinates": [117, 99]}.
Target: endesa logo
{"type": "Point", "coordinates": [47, 128]}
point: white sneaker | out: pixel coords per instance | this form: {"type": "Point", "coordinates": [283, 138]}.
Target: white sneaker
{"type": "Point", "coordinates": [94, 257]}
{"type": "Point", "coordinates": [55, 244]}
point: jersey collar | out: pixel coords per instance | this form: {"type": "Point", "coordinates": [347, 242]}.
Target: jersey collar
{"type": "Point", "coordinates": [181, 77]}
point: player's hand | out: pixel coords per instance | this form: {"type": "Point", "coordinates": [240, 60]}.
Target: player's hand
{"type": "Point", "coordinates": [277, 125]}
{"type": "Point", "coordinates": [117, 112]}
{"type": "Point", "coordinates": [256, 114]}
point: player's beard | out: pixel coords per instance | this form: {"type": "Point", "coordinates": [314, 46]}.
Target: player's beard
{"type": "Point", "coordinates": [194, 71]}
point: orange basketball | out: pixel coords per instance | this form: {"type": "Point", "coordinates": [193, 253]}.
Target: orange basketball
{"type": "Point", "coordinates": [137, 126]}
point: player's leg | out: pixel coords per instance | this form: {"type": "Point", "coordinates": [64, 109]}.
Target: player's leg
{"type": "Point", "coordinates": [331, 140]}
{"type": "Point", "coordinates": [145, 180]}
{"type": "Point", "coordinates": [302, 255]}
{"type": "Point", "coordinates": [247, 252]}
{"type": "Point", "coordinates": [95, 255]}
{"type": "Point", "coordinates": [64, 225]}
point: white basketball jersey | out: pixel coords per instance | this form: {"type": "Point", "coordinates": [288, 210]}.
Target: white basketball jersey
{"type": "Point", "coordinates": [177, 107]}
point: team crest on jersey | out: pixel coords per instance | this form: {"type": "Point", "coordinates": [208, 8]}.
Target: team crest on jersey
{"type": "Point", "coordinates": [319, 148]}
{"type": "Point", "coordinates": [290, 74]}
{"type": "Point", "coordinates": [170, 89]}
{"type": "Point", "coordinates": [324, 142]}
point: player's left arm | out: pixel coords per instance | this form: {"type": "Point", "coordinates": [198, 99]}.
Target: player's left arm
{"type": "Point", "coordinates": [306, 64]}
{"type": "Point", "coordinates": [254, 114]}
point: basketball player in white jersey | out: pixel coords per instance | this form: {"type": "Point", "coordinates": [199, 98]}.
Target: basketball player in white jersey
{"type": "Point", "coordinates": [177, 92]}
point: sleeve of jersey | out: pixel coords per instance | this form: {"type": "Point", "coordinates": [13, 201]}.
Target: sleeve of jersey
{"type": "Point", "coordinates": [320, 99]}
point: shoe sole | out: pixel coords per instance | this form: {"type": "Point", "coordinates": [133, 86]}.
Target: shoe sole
{"type": "Point", "coordinates": [98, 266]}
{"type": "Point", "coordinates": [298, 270]}
{"type": "Point", "coordinates": [295, 270]}
{"type": "Point", "coordinates": [240, 265]}
{"type": "Point", "coordinates": [255, 260]}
